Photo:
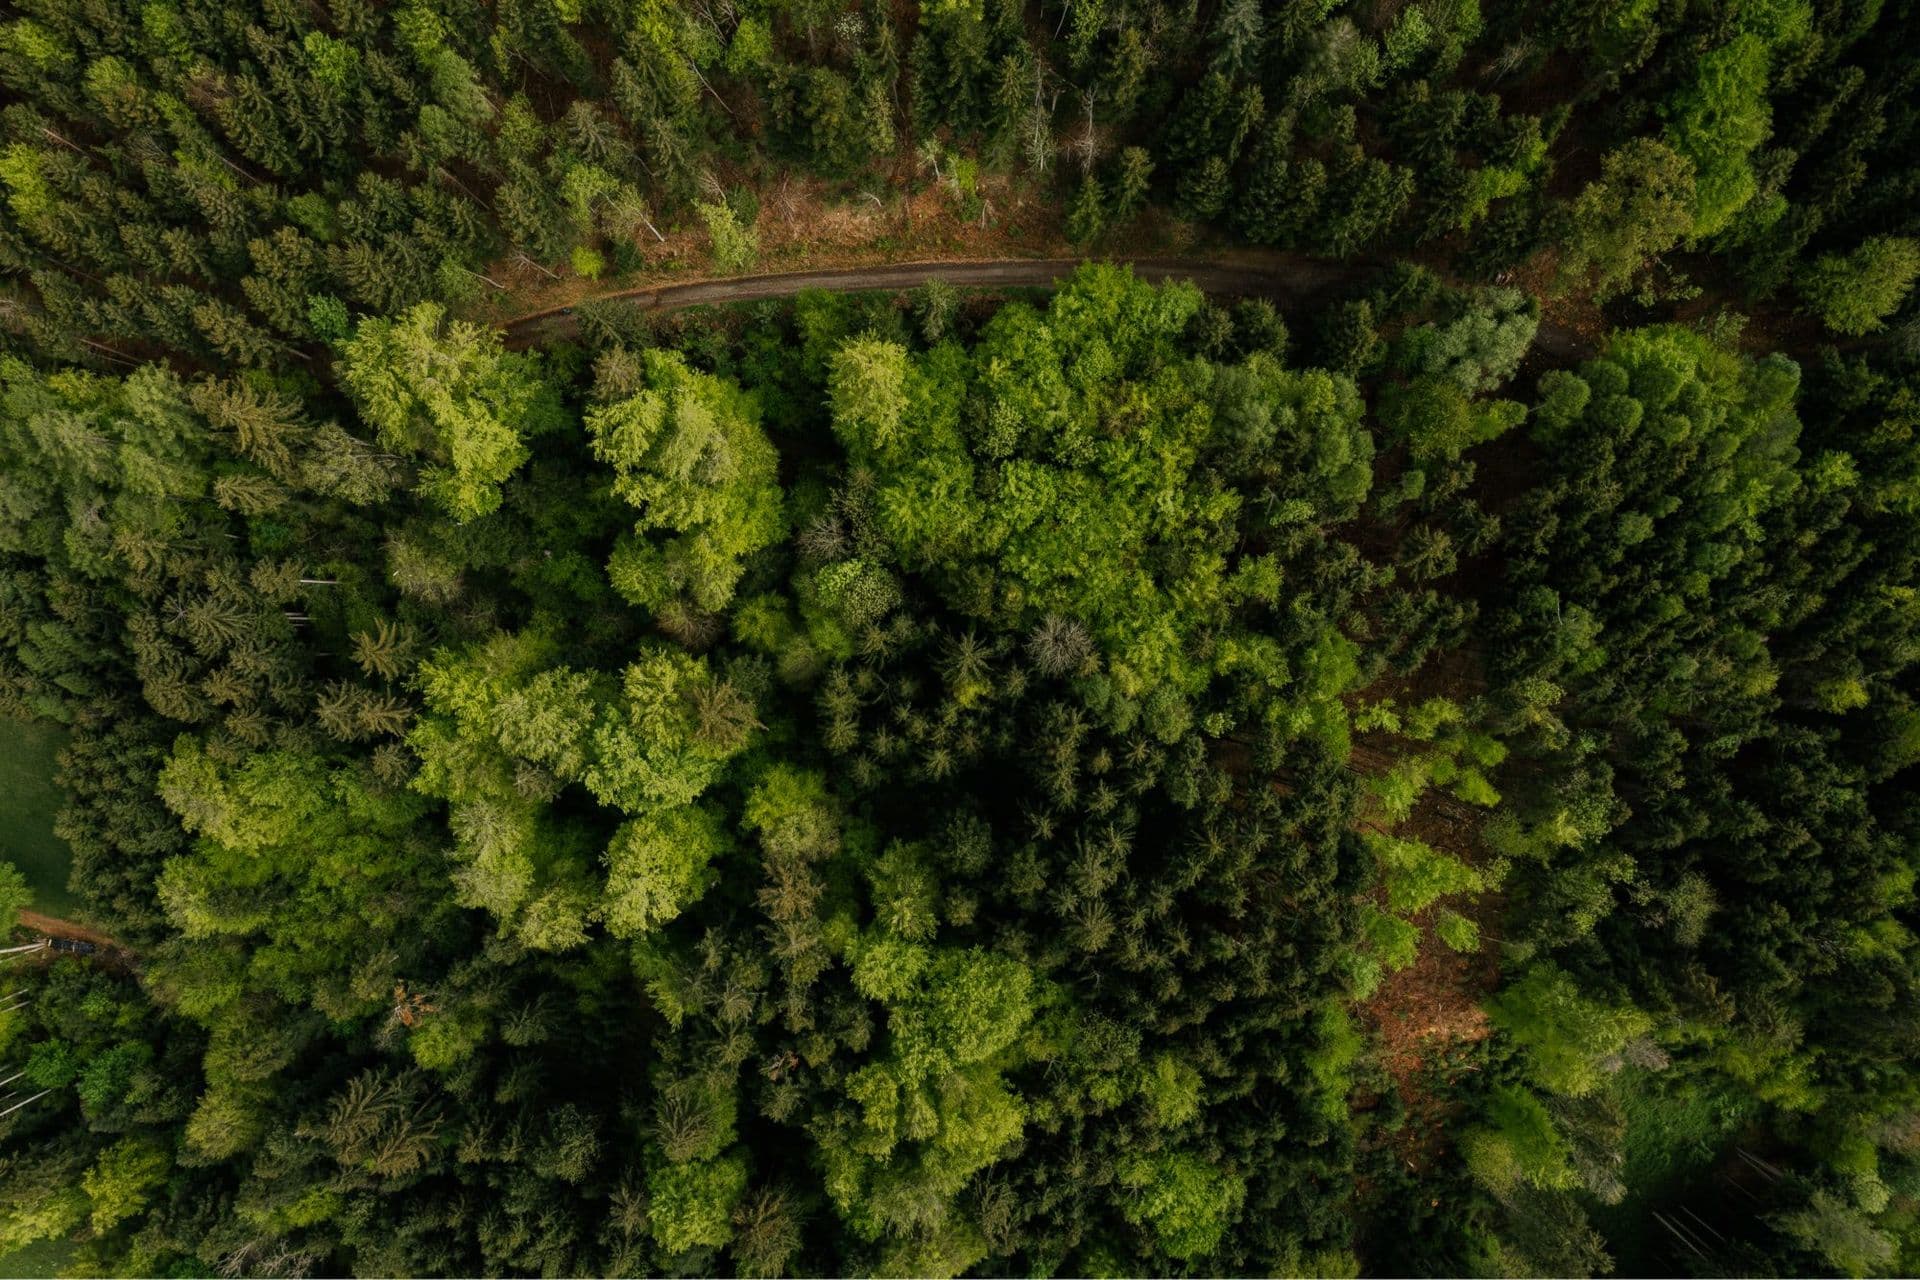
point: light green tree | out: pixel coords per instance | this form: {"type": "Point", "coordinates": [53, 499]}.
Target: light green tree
{"type": "Point", "coordinates": [41, 1198]}
{"type": "Point", "coordinates": [1567, 1036]}
{"type": "Point", "coordinates": [657, 864]}
{"type": "Point", "coordinates": [935, 1109]}
{"type": "Point", "coordinates": [735, 246]}
{"type": "Point", "coordinates": [1844, 1236]}
{"type": "Point", "coordinates": [687, 450]}
{"type": "Point", "coordinates": [447, 392]}
{"type": "Point", "coordinates": [1187, 1202]}
{"type": "Point", "coordinates": [867, 382]}
{"type": "Point", "coordinates": [1518, 1144]}
{"type": "Point", "coordinates": [15, 896]}
{"type": "Point", "coordinates": [692, 1203]}
{"type": "Point", "coordinates": [123, 1179]}
{"type": "Point", "coordinates": [645, 744]}
{"type": "Point", "coordinates": [310, 863]}
{"type": "Point", "coordinates": [1417, 875]}
{"type": "Point", "coordinates": [1716, 121]}
{"type": "Point", "coordinates": [1439, 420]}
{"type": "Point", "coordinates": [651, 746]}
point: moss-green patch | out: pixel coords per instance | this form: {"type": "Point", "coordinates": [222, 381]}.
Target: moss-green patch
{"type": "Point", "coordinates": [29, 799]}
{"type": "Point", "coordinates": [43, 1258]}
{"type": "Point", "coordinates": [1677, 1128]}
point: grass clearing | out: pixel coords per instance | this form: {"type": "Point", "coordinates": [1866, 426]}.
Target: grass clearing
{"type": "Point", "coordinates": [1676, 1132]}
{"type": "Point", "coordinates": [31, 799]}
{"type": "Point", "coordinates": [41, 1259]}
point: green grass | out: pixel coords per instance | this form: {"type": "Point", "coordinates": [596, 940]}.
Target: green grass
{"type": "Point", "coordinates": [43, 1258]}
{"type": "Point", "coordinates": [28, 801]}
{"type": "Point", "coordinates": [1677, 1129]}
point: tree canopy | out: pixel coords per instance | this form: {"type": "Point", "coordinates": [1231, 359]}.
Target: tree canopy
{"type": "Point", "coordinates": [1399, 762]}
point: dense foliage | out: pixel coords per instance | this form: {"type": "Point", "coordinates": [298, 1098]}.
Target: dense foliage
{"type": "Point", "coordinates": [1117, 783]}
{"type": "Point", "coordinates": [231, 183]}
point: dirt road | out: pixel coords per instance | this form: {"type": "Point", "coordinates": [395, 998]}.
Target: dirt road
{"type": "Point", "coordinates": [55, 927]}
{"type": "Point", "coordinates": [1291, 281]}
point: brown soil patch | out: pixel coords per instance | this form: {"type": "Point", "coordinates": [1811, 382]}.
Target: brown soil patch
{"type": "Point", "coordinates": [818, 225]}
{"type": "Point", "coordinates": [1424, 1016]}
{"type": "Point", "coordinates": [112, 954]}
{"type": "Point", "coordinates": [1567, 318]}
{"type": "Point", "coordinates": [54, 927]}
{"type": "Point", "coordinates": [1434, 1003]}
{"type": "Point", "coordinates": [1421, 1015]}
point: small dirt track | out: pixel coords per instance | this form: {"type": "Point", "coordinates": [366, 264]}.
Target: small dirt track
{"type": "Point", "coordinates": [54, 927]}
{"type": "Point", "coordinates": [1290, 281]}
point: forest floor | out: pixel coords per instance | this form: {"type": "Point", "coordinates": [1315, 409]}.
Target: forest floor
{"type": "Point", "coordinates": [1427, 1017]}
{"type": "Point", "coordinates": [1423, 1014]}
{"type": "Point", "coordinates": [1434, 1003]}
{"type": "Point", "coordinates": [809, 223]}
{"type": "Point", "coordinates": [1426, 1020]}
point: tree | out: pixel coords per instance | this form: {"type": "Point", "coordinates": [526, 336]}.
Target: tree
{"type": "Point", "coordinates": [1840, 1234]}
{"type": "Point", "coordinates": [447, 392]}
{"type": "Point", "coordinates": [1186, 1202]}
{"type": "Point", "coordinates": [1640, 206]}
{"type": "Point", "coordinates": [936, 303]}
{"type": "Point", "coordinates": [1132, 181]}
{"type": "Point", "coordinates": [735, 247]}
{"type": "Point", "coordinates": [687, 450]}
{"type": "Point", "coordinates": [868, 383]}
{"type": "Point", "coordinates": [1855, 293]}
{"type": "Point", "coordinates": [44, 1200]}
{"type": "Point", "coordinates": [1088, 215]}
{"type": "Point", "coordinates": [967, 1008]}
{"type": "Point", "coordinates": [1204, 189]}
{"type": "Point", "coordinates": [1716, 121]}
{"type": "Point", "coordinates": [123, 1179]}
{"type": "Point", "coordinates": [766, 1233]}
{"type": "Point", "coordinates": [1438, 420]}
{"type": "Point", "coordinates": [1565, 1034]}
{"type": "Point", "coordinates": [1416, 874]}
{"type": "Point", "coordinates": [15, 897]}
{"type": "Point", "coordinates": [693, 1203]}
{"type": "Point", "coordinates": [1518, 1147]}
{"type": "Point", "coordinates": [1481, 349]}
{"type": "Point", "coordinates": [657, 864]}
{"type": "Point", "coordinates": [276, 832]}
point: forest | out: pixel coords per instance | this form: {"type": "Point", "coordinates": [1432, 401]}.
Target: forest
{"type": "Point", "coordinates": [1400, 763]}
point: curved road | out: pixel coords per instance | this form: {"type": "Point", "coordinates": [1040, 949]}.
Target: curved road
{"type": "Point", "coordinates": [1288, 280]}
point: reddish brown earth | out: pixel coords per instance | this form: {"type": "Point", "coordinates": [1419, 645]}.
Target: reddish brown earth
{"type": "Point", "coordinates": [54, 927]}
